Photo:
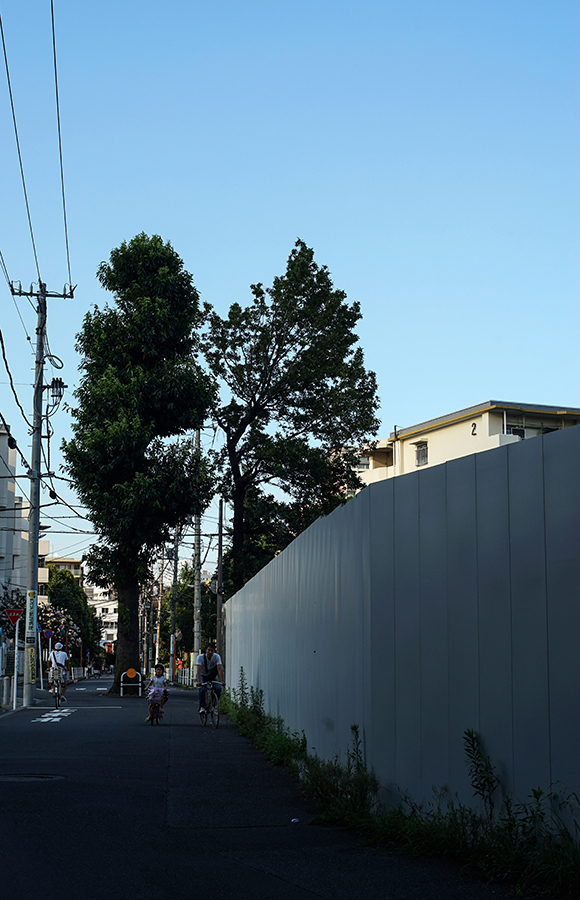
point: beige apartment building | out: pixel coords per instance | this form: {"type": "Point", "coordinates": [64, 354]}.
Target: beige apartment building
{"type": "Point", "coordinates": [74, 566]}
{"type": "Point", "coordinates": [461, 433]}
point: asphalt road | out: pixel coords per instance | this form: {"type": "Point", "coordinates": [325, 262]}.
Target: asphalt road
{"type": "Point", "coordinates": [97, 804]}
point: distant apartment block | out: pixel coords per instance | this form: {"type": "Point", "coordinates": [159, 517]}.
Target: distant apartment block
{"type": "Point", "coordinates": [74, 566]}
{"type": "Point", "coordinates": [13, 523]}
{"type": "Point", "coordinates": [10, 515]}
{"type": "Point", "coordinates": [461, 433]}
{"type": "Point", "coordinates": [104, 603]}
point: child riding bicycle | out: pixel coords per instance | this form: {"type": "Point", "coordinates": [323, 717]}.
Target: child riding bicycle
{"type": "Point", "coordinates": [156, 690]}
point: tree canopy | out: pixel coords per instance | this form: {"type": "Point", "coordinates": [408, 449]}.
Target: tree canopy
{"type": "Point", "coordinates": [297, 401]}
{"type": "Point", "coordinates": [141, 392]}
{"type": "Point", "coordinates": [69, 610]}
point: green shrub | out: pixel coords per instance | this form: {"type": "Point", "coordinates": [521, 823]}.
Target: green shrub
{"type": "Point", "coordinates": [268, 733]}
{"type": "Point", "coordinates": [346, 792]}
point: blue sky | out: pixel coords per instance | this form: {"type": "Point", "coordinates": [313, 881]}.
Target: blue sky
{"type": "Point", "coordinates": [427, 151]}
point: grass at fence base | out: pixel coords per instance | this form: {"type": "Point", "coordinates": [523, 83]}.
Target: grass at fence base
{"type": "Point", "coordinates": [533, 845]}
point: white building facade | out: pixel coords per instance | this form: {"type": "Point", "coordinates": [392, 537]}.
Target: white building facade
{"type": "Point", "coordinates": [494, 423]}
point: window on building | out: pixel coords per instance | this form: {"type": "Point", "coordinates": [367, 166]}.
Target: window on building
{"type": "Point", "coordinates": [421, 454]}
{"type": "Point", "coordinates": [364, 463]}
{"type": "Point", "coordinates": [104, 610]}
{"type": "Point", "coordinates": [512, 429]}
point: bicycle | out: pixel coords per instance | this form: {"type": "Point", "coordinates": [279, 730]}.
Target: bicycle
{"type": "Point", "coordinates": [154, 696]}
{"type": "Point", "coordinates": [212, 705]}
{"type": "Point", "coordinates": [154, 713]}
{"type": "Point", "coordinates": [56, 677]}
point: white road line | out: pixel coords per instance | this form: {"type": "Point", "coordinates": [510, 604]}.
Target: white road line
{"type": "Point", "coordinates": [76, 708]}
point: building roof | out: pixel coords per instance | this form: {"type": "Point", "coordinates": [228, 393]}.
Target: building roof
{"type": "Point", "coordinates": [488, 405]}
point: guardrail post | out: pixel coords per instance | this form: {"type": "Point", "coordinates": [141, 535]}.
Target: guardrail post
{"type": "Point", "coordinates": [134, 674]}
{"type": "Point", "coordinates": [6, 691]}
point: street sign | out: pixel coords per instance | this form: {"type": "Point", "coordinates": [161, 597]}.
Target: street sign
{"type": "Point", "coordinates": [48, 634]}
{"type": "Point", "coordinates": [14, 615]}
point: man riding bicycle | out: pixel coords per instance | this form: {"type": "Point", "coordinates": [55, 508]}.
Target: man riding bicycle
{"type": "Point", "coordinates": [57, 669]}
{"type": "Point", "coordinates": [209, 668]}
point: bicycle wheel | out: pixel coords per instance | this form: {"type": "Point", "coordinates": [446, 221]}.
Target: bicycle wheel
{"type": "Point", "coordinates": [203, 718]}
{"type": "Point", "coordinates": [215, 711]}
{"type": "Point", "coordinates": [56, 695]}
{"type": "Point", "coordinates": [153, 714]}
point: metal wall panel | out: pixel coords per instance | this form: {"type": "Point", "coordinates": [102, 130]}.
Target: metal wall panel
{"type": "Point", "coordinates": [529, 623]}
{"type": "Point", "coordinates": [382, 722]}
{"type": "Point", "coordinates": [562, 492]}
{"type": "Point", "coordinates": [463, 616]}
{"type": "Point", "coordinates": [434, 628]}
{"type": "Point", "coordinates": [494, 608]}
{"type": "Point", "coordinates": [407, 634]}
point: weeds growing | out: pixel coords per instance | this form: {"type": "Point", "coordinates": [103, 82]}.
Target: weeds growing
{"type": "Point", "coordinates": [534, 845]}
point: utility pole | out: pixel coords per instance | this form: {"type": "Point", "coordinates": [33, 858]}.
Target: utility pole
{"type": "Point", "coordinates": [29, 690]}
{"type": "Point", "coordinates": [173, 605]}
{"type": "Point", "coordinates": [158, 641]}
{"type": "Point", "coordinates": [219, 594]}
{"type": "Point", "coordinates": [197, 574]}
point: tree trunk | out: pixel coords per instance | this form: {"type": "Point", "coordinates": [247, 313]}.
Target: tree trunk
{"type": "Point", "coordinates": [127, 649]}
{"type": "Point", "coordinates": [238, 536]}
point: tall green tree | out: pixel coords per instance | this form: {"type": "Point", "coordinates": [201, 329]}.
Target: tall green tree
{"type": "Point", "coordinates": [68, 601]}
{"type": "Point", "coordinates": [141, 392]}
{"type": "Point", "coordinates": [297, 401]}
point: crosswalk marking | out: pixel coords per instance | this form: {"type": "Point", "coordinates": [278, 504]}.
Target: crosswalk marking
{"type": "Point", "coordinates": [55, 715]}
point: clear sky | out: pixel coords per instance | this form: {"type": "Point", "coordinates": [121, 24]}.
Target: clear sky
{"type": "Point", "coordinates": [426, 149]}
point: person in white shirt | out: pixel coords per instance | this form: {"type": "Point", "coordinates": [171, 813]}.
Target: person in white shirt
{"type": "Point", "coordinates": [209, 668]}
{"type": "Point", "coordinates": [58, 669]}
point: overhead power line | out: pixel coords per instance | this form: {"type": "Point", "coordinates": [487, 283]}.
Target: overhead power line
{"type": "Point", "coordinates": [18, 403]}
{"type": "Point", "coordinates": [18, 149]}
{"type": "Point", "coordinates": [60, 141]}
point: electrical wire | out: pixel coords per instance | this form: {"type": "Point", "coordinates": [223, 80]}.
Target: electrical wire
{"type": "Point", "coordinates": [28, 338]}
{"type": "Point", "coordinates": [12, 380]}
{"type": "Point", "coordinates": [18, 148]}
{"type": "Point", "coordinates": [4, 269]}
{"type": "Point", "coordinates": [60, 141]}
{"type": "Point", "coordinates": [7, 427]}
